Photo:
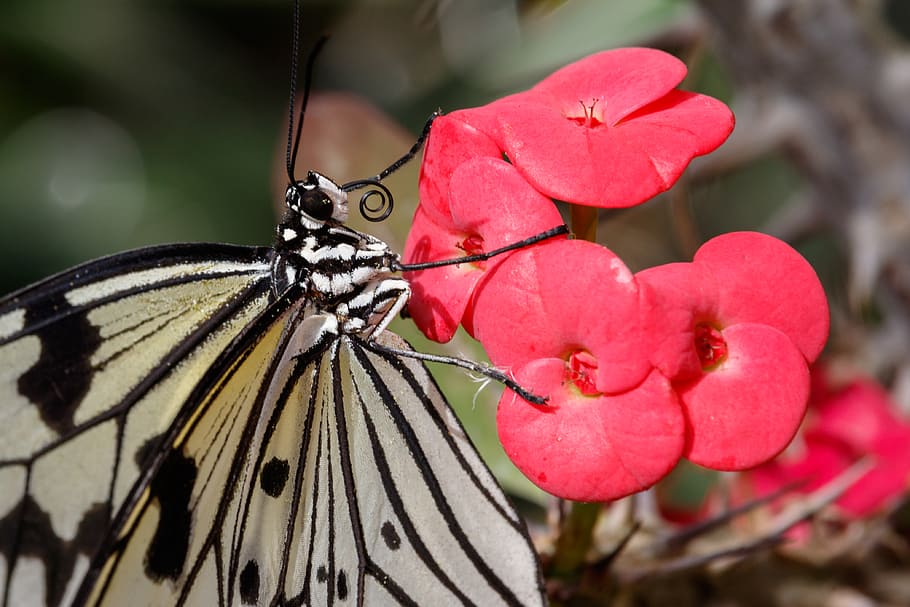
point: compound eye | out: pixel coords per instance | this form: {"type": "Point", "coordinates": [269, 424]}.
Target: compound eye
{"type": "Point", "coordinates": [316, 204]}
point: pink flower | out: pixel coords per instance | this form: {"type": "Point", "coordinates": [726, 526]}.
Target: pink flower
{"type": "Point", "coordinates": [591, 447]}
{"type": "Point", "coordinates": [565, 299]}
{"type": "Point", "coordinates": [451, 143]}
{"type": "Point", "coordinates": [693, 359]}
{"type": "Point", "coordinates": [735, 330]}
{"type": "Point", "coordinates": [609, 130]}
{"type": "Point", "coordinates": [565, 318]}
{"type": "Point", "coordinates": [844, 425]}
{"type": "Point", "coordinates": [487, 206]}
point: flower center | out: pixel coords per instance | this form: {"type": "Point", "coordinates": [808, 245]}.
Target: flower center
{"type": "Point", "coordinates": [590, 115]}
{"type": "Point", "coordinates": [472, 245]}
{"type": "Point", "coordinates": [710, 345]}
{"type": "Point", "coordinates": [581, 370]}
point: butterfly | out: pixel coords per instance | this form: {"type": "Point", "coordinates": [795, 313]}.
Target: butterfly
{"type": "Point", "coordinates": [211, 424]}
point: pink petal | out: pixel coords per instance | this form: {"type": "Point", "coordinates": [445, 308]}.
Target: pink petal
{"type": "Point", "coordinates": [605, 165]}
{"type": "Point", "coordinates": [858, 415]}
{"type": "Point", "coordinates": [680, 115]}
{"type": "Point", "coordinates": [847, 424]}
{"type": "Point", "coordinates": [862, 417]}
{"type": "Point", "coordinates": [489, 201]}
{"type": "Point", "coordinates": [438, 296]}
{"type": "Point", "coordinates": [490, 198]}
{"type": "Point", "coordinates": [623, 79]}
{"type": "Point", "coordinates": [763, 279]}
{"type": "Point", "coordinates": [561, 297]}
{"type": "Point", "coordinates": [746, 410]}
{"type": "Point", "coordinates": [886, 482]}
{"type": "Point", "coordinates": [675, 297]}
{"type": "Point", "coordinates": [452, 141]}
{"type": "Point", "coordinates": [567, 161]}
{"type": "Point", "coordinates": [608, 130]}
{"type": "Point", "coordinates": [675, 129]}
{"type": "Point", "coordinates": [824, 458]}
{"type": "Point", "coordinates": [817, 462]}
{"type": "Point", "coordinates": [591, 448]}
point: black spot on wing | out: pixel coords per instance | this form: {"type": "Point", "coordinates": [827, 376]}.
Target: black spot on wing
{"type": "Point", "coordinates": [274, 476]}
{"type": "Point", "coordinates": [61, 378]}
{"type": "Point", "coordinates": [26, 531]}
{"type": "Point", "coordinates": [342, 586]}
{"type": "Point", "coordinates": [249, 583]}
{"type": "Point", "coordinates": [390, 536]}
{"type": "Point", "coordinates": [322, 574]}
{"type": "Point", "coordinates": [172, 487]}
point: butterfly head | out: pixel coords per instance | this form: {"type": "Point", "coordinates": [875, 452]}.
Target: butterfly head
{"type": "Point", "coordinates": [317, 199]}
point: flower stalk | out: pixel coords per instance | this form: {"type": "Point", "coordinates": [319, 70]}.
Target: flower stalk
{"type": "Point", "coordinates": [576, 535]}
{"type": "Point", "coordinates": [583, 221]}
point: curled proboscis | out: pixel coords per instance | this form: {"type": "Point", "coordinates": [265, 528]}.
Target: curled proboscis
{"type": "Point", "coordinates": [376, 203]}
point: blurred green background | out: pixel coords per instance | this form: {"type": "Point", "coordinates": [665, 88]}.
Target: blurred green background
{"type": "Point", "coordinates": [132, 123]}
{"type": "Point", "coordinates": [127, 123]}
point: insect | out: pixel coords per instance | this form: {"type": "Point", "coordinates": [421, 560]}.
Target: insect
{"type": "Point", "coordinates": [207, 424]}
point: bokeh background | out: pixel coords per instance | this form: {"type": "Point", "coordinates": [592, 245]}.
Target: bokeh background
{"type": "Point", "coordinates": [125, 124]}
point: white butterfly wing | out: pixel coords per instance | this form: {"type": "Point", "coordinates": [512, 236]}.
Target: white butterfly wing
{"type": "Point", "coordinates": [396, 505]}
{"type": "Point", "coordinates": [350, 482]}
{"type": "Point", "coordinates": [94, 366]}
{"type": "Point", "coordinates": [168, 545]}
{"type": "Point", "coordinates": [437, 510]}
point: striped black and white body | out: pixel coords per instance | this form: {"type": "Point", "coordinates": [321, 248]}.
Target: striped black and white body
{"type": "Point", "coordinates": [212, 425]}
{"type": "Point", "coordinates": [342, 272]}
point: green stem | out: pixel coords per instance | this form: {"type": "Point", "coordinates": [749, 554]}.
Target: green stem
{"type": "Point", "coordinates": [574, 540]}
{"type": "Point", "coordinates": [583, 220]}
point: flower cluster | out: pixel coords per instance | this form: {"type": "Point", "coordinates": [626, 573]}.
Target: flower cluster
{"type": "Point", "coordinates": [847, 421]}
{"type": "Point", "coordinates": [706, 360]}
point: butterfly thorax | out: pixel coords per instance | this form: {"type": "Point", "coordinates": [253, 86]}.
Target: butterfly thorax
{"type": "Point", "coordinates": [338, 270]}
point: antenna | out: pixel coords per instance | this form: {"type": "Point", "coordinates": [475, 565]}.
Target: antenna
{"type": "Point", "coordinates": [294, 136]}
{"type": "Point", "coordinates": [382, 207]}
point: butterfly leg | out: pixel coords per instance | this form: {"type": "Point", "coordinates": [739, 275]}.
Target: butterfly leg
{"type": "Point", "coordinates": [375, 306]}
{"type": "Point", "coordinates": [398, 293]}
{"type": "Point", "coordinates": [480, 368]}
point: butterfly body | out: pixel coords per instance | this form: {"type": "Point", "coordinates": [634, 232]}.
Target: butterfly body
{"type": "Point", "coordinates": [341, 271]}
{"type": "Point", "coordinates": [213, 425]}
